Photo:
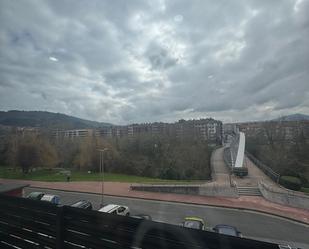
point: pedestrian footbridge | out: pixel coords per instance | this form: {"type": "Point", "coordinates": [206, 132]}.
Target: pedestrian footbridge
{"type": "Point", "coordinates": [234, 155]}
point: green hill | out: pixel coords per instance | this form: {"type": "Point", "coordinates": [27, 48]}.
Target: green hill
{"type": "Point", "coordinates": [293, 117]}
{"type": "Point", "coordinates": [46, 120]}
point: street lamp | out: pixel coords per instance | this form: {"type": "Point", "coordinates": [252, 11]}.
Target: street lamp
{"type": "Point", "coordinates": [102, 170]}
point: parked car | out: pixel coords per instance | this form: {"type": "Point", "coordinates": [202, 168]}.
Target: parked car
{"type": "Point", "coordinates": [35, 195]}
{"type": "Point", "coordinates": [142, 216]}
{"type": "Point", "coordinates": [227, 230]}
{"type": "Point", "coordinates": [194, 222]}
{"type": "Point", "coordinates": [83, 204]}
{"type": "Point", "coordinates": [54, 199]}
{"type": "Point", "coordinates": [115, 209]}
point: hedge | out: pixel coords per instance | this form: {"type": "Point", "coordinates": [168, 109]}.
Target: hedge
{"type": "Point", "coordinates": [305, 185]}
{"type": "Point", "coordinates": [290, 182]}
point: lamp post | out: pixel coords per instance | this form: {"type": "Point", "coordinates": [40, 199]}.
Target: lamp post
{"type": "Point", "coordinates": [232, 163]}
{"type": "Point", "coordinates": [102, 171]}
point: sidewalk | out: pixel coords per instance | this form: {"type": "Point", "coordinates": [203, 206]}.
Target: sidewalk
{"type": "Point", "coordinates": [123, 189]}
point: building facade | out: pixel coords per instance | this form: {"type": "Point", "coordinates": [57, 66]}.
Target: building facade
{"type": "Point", "coordinates": [204, 129]}
{"type": "Point", "coordinates": [278, 130]}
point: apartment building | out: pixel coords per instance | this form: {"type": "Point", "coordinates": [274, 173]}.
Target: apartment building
{"type": "Point", "coordinates": [72, 133]}
{"type": "Point", "coordinates": [286, 130]}
{"type": "Point", "coordinates": [205, 129]}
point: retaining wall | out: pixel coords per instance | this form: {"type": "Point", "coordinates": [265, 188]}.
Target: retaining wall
{"type": "Point", "coordinates": [205, 190]}
{"type": "Point", "coordinates": [218, 190]}
{"type": "Point", "coordinates": [193, 190]}
{"type": "Point", "coordinates": [284, 196]}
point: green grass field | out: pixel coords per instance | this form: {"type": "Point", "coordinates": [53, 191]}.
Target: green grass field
{"type": "Point", "coordinates": [56, 176]}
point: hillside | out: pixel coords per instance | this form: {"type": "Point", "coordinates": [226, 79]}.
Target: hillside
{"type": "Point", "coordinates": [293, 117]}
{"type": "Point", "coordinates": [46, 120]}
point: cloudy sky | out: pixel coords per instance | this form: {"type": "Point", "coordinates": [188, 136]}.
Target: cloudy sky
{"type": "Point", "coordinates": [139, 61]}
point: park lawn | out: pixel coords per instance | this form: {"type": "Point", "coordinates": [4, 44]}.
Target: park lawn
{"type": "Point", "coordinates": [55, 176]}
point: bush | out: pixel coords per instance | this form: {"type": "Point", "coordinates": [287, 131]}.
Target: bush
{"type": "Point", "coordinates": [303, 179]}
{"type": "Point", "coordinates": [305, 185]}
{"type": "Point", "coordinates": [290, 182]}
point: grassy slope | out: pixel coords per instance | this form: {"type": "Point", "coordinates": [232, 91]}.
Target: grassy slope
{"type": "Point", "coordinates": [53, 176]}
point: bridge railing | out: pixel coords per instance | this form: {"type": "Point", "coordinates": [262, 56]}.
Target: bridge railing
{"type": "Point", "coordinates": [31, 224]}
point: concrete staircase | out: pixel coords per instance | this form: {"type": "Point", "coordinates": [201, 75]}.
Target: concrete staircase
{"type": "Point", "coordinates": [248, 191]}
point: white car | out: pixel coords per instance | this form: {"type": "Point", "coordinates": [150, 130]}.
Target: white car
{"type": "Point", "coordinates": [115, 209]}
{"type": "Point", "coordinates": [55, 199]}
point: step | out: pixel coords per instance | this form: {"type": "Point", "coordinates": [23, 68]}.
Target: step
{"type": "Point", "coordinates": [249, 191]}
{"type": "Point", "coordinates": [249, 194]}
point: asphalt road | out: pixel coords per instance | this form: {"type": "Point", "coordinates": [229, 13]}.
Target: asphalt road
{"type": "Point", "coordinates": [251, 224]}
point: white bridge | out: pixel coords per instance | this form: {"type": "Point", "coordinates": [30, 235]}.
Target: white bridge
{"type": "Point", "coordinates": [234, 154]}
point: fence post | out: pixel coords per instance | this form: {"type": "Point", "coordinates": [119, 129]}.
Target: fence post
{"type": "Point", "coordinates": [278, 178]}
{"type": "Point", "coordinates": [60, 227]}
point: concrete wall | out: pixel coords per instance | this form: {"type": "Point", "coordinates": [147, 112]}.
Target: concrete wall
{"type": "Point", "coordinates": [205, 190]}
{"type": "Point", "coordinates": [218, 190]}
{"type": "Point", "coordinates": [178, 189]}
{"type": "Point", "coordinates": [284, 196]}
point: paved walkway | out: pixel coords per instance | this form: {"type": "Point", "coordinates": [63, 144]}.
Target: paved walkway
{"type": "Point", "coordinates": [123, 189]}
{"type": "Point", "coordinates": [254, 175]}
{"type": "Point", "coordinates": [220, 172]}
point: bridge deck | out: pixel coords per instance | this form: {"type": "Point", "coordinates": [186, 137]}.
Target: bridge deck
{"type": "Point", "coordinates": [254, 175]}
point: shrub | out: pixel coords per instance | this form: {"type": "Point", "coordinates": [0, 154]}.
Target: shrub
{"type": "Point", "coordinates": [303, 179]}
{"type": "Point", "coordinates": [290, 182]}
{"type": "Point", "coordinates": [305, 185]}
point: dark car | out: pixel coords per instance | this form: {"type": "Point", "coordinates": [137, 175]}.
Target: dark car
{"type": "Point", "coordinates": [227, 230]}
{"type": "Point", "coordinates": [35, 196]}
{"type": "Point", "coordinates": [83, 204]}
{"type": "Point", "coordinates": [142, 216]}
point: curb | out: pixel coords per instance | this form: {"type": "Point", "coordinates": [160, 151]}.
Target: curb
{"type": "Point", "coordinates": [200, 204]}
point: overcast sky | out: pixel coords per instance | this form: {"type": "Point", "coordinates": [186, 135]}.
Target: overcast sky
{"type": "Point", "coordinates": [139, 61]}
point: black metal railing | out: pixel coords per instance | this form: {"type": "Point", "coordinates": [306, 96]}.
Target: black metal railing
{"type": "Point", "coordinates": [27, 224]}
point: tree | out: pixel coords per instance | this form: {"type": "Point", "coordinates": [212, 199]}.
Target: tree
{"type": "Point", "coordinates": [284, 148]}
{"type": "Point", "coordinates": [11, 151]}
{"type": "Point", "coordinates": [28, 156]}
{"type": "Point", "coordinates": [47, 153]}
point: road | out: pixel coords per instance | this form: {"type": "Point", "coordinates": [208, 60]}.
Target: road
{"type": "Point", "coordinates": [251, 224]}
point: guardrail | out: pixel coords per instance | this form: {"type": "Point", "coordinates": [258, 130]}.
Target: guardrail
{"type": "Point", "coordinates": [30, 224]}
{"type": "Point", "coordinates": [268, 171]}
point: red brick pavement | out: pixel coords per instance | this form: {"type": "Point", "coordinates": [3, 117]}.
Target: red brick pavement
{"type": "Point", "coordinates": [123, 189]}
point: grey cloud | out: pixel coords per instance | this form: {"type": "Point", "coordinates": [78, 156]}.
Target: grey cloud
{"type": "Point", "coordinates": [121, 79]}
{"type": "Point", "coordinates": [159, 57]}
{"type": "Point", "coordinates": [134, 61]}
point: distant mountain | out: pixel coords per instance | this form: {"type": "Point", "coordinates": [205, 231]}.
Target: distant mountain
{"type": "Point", "coordinates": [46, 120]}
{"type": "Point", "coordinates": [293, 117]}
